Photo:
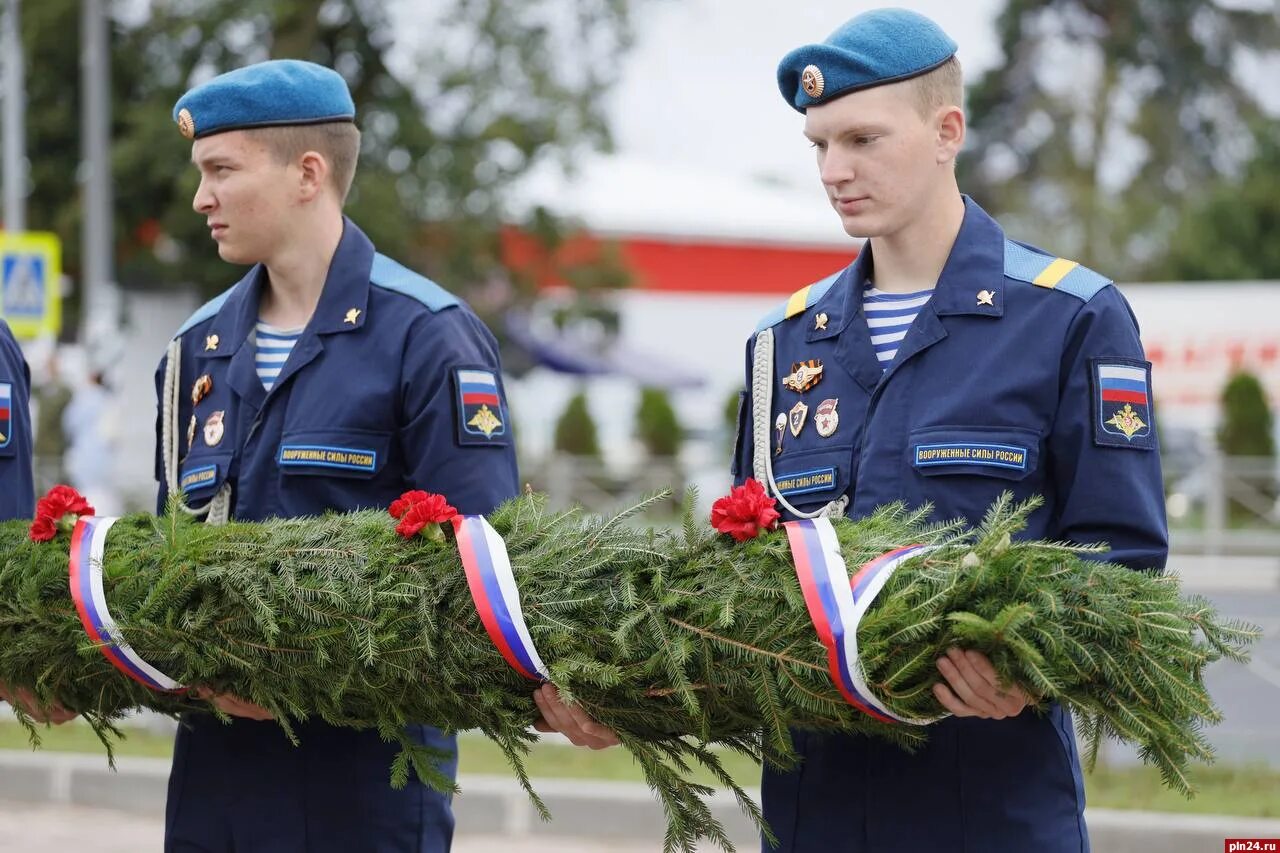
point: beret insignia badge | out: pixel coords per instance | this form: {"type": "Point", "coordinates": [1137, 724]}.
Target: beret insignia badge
{"type": "Point", "coordinates": [186, 124]}
{"type": "Point", "coordinates": [812, 82]}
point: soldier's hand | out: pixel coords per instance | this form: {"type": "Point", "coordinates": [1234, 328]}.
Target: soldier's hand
{"type": "Point", "coordinates": [233, 705]}
{"type": "Point", "coordinates": [973, 688]}
{"type": "Point", "coordinates": [24, 699]}
{"type": "Point", "coordinates": [570, 721]}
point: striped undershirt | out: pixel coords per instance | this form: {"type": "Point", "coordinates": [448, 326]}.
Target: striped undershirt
{"type": "Point", "coordinates": [273, 348]}
{"type": "Point", "coordinates": [889, 316]}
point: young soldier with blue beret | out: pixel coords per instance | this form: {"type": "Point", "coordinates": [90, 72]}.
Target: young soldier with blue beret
{"type": "Point", "coordinates": [946, 365]}
{"type": "Point", "coordinates": [329, 377]}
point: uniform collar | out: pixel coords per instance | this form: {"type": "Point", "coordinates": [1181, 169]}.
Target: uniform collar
{"type": "Point", "coordinates": [976, 264]}
{"type": "Point", "coordinates": [843, 299]}
{"type": "Point", "coordinates": [974, 272]}
{"type": "Point", "coordinates": [345, 294]}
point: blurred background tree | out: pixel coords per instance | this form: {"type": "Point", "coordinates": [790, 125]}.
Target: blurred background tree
{"type": "Point", "coordinates": [576, 429]}
{"type": "Point", "coordinates": [495, 88]}
{"type": "Point", "coordinates": [1246, 428]}
{"type": "Point", "coordinates": [1107, 119]}
{"type": "Point", "coordinates": [657, 425]}
{"type": "Point", "coordinates": [1246, 432]}
{"type": "Point", "coordinates": [1233, 230]}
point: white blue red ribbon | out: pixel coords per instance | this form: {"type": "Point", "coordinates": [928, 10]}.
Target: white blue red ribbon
{"type": "Point", "coordinates": [494, 591]}
{"type": "Point", "coordinates": [88, 540]}
{"type": "Point", "coordinates": [837, 604]}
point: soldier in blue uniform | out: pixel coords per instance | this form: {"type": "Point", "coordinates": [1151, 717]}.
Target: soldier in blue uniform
{"type": "Point", "coordinates": [17, 496]}
{"type": "Point", "coordinates": [946, 365]}
{"type": "Point", "coordinates": [328, 378]}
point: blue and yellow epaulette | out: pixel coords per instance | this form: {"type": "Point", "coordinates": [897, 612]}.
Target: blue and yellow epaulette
{"type": "Point", "coordinates": [390, 275]}
{"type": "Point", "coordinates": [798, 302]}
{"type": "Point", "coordinates": [1025, 264]}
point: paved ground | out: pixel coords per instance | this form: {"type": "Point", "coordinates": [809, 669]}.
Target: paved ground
{"type": "Point", "coordinates": [1248, 694]}
{"type": "Point", "coordinates": [55, 829]}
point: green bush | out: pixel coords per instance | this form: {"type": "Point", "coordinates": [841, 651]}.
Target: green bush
{"type": "Point", "coordinates": [1245, 431]}
{"type": "Point", "coordinates": [576, 430]}
{"type": "Point", "coordinates": [657, 426]}
{"type": "Point", "coordinates": [1246, 419]}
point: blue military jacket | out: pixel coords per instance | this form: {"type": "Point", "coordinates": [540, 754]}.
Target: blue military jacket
{"type": "Point", "coordinates": [17, 497]}
{"type": "Point", "coordinates": [370, 402]}
{"type": "Point", "coordinates": [393, 385]}
{"type": "Point", "coordinates": [1023, 373]}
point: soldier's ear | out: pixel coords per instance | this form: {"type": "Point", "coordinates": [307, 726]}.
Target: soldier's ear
{"type": "Point", "coordinates": [313, 171]}
{"type": "Point", "coordinates": [950, 125]}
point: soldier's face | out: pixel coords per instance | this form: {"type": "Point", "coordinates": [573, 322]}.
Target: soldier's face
{"type": "Point", "coordinates": [878, 158]}
{"type": "Point", "coordinates": [244, 195]}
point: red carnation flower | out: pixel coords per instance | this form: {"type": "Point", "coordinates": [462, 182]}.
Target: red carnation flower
{"type": "Point", "coordinates": [430, 509]}
{"type": "Point", "coordinates": [43, 529]}
{"type": "Point", "coordinates": [63, 500]}
{"type": "Point", "coordinates": [745, 512]}
{"type": "Point", "coordinates": [57, 503]}
{"type": "Point", "coordinates": [401, 505]}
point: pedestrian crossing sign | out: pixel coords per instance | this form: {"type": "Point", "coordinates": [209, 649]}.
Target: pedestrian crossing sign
{"type": "Point", "coordinates": [31, 287]}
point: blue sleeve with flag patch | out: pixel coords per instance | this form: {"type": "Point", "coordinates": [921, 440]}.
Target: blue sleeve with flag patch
{"type": "Point", "coordinates": [457, 436]}
{"type": "Point", "coordinates": [1103, 443]}
{"type": "Point", "coordinates": [17, 497]}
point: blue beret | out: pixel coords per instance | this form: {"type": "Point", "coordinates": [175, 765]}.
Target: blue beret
{"type": "Point", "coordinates": [877, 47]}
{"type": "Point", "coordinates": [278, 92]}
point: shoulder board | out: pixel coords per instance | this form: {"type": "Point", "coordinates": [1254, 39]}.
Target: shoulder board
{"type": "Point", "coordinates": [390, 275]}
{"type": "Point", "coordinates": [798, 302]}
{"type": "Point", "coordinates": [205, 311]}
{"type": "Point", "coordinates": [1024, 264]}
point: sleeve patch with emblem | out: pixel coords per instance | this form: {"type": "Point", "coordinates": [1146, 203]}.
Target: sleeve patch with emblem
{"type": "Point", "coordinates": [481, 412]}
{"type": "Point", "coordinates": [1122, 404]}
{"type": "Point", "coordinates": [6, 413]}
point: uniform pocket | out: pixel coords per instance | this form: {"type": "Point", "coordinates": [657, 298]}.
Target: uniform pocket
{"type": "Point", "coordinates": [333, 452]}
{"type": "Point", "coordinates": [813, 476]}
{"type": "Point", "coordinates": [1010, 453]}
{"type": "Point", "coordinates": [202, 474]}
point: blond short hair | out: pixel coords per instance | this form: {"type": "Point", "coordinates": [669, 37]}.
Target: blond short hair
{"type": "Point", "coordinates": [337, 142]}
{"type": "Point", "coordinates": [941, 87]}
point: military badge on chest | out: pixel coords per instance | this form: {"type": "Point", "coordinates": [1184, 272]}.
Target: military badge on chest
{"type": "Point", "coordinates": [804, 375]}
{"type": "Point", "coordinates": [825, 418]}
{"type": "Point", "coordinates": [796, 418]}
{"type": "Point", "coordinates": [214, 428]}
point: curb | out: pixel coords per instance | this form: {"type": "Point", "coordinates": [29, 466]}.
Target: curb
{"type": "Point", "coordinates": [580, 809]}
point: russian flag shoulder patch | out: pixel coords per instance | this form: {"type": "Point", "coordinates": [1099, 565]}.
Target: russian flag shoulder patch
{"type": "Point", "coordinates": [481, 411]}
{"type": "Point", "coordinates": [1122, 404]}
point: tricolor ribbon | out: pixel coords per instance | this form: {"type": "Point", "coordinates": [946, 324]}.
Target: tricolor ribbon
{"type": "Point", "coordinates": [88, 539]}
{"type": "Point", "coordinates": [836, 606]}
{"type": "Point", "coordinates": [494, 591]}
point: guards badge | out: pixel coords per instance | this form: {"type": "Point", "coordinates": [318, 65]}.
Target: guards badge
{"type": "Point", "coordinates": [1122, 404]}
{"type": "Point", "coordinates": [6, 413]}
{"type": "Point", "coordinates": [480, 407]}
